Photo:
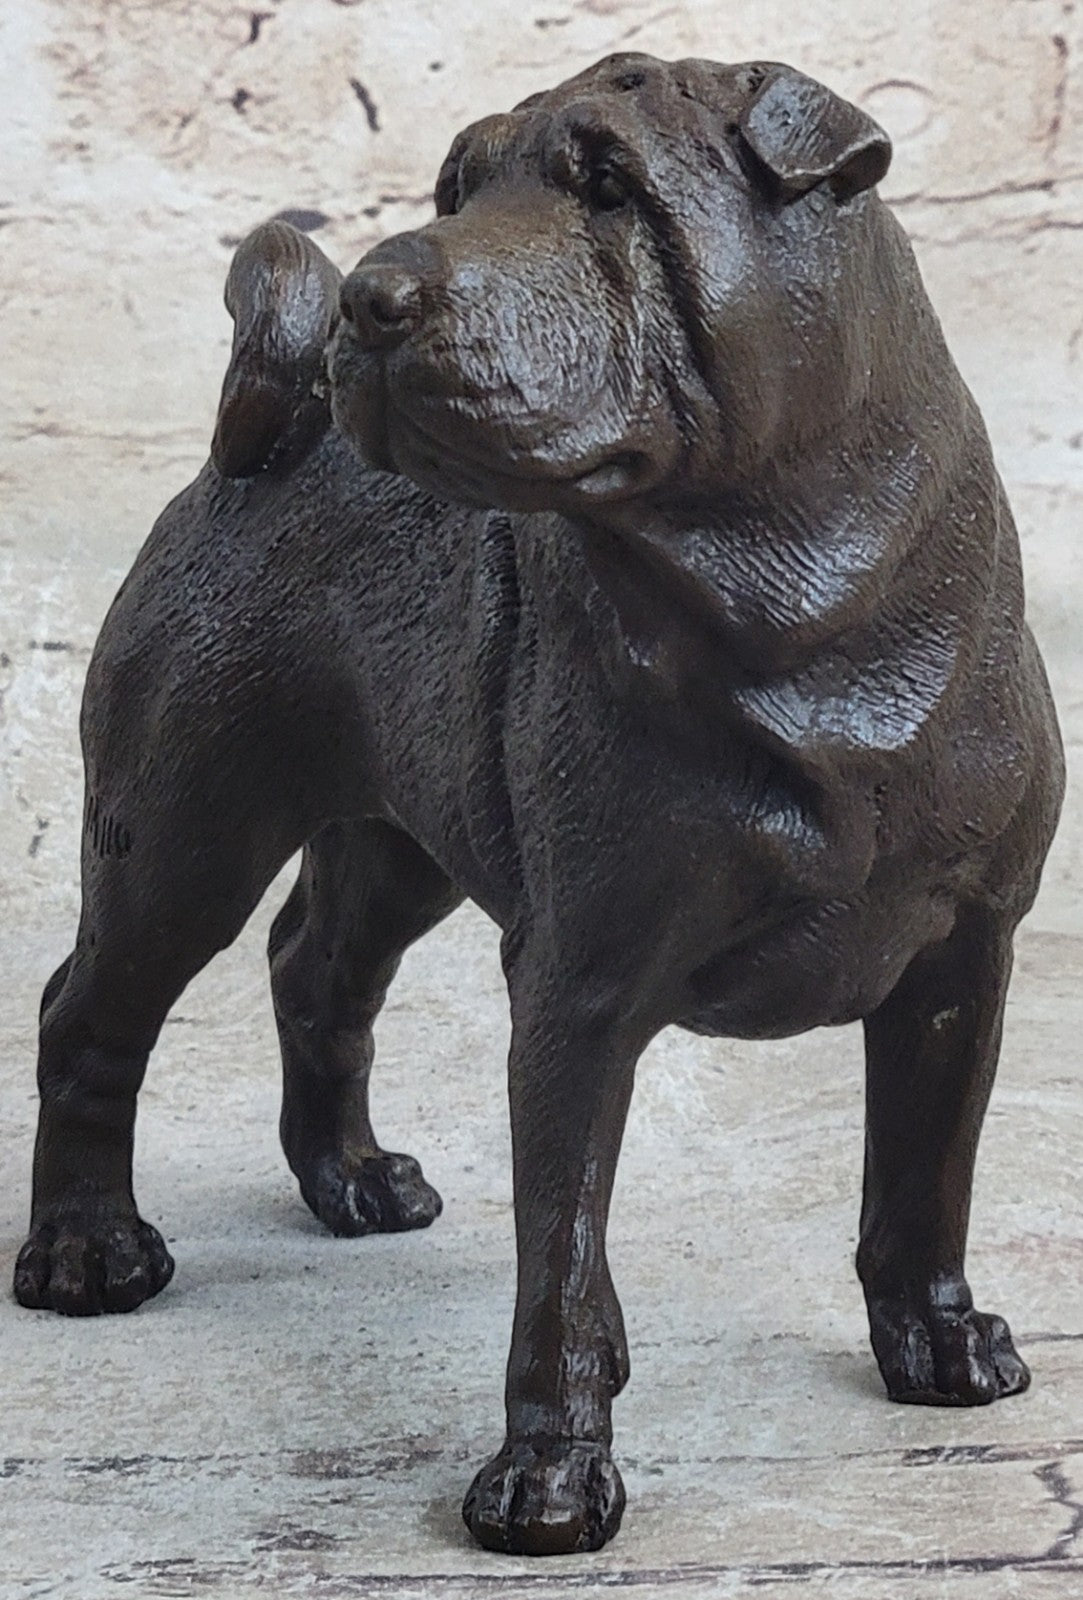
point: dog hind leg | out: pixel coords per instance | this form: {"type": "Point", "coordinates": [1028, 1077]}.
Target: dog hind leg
{"type": "Point", "coordinates": [155, 910]}
{"type": "Point", "coordinates": [931, 1053]}
{"type": "Point", "coordinates": [365, 891]}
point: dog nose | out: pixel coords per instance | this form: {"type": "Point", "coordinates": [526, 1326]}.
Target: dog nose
{"type": "Point", "coordinates": [382, 302]}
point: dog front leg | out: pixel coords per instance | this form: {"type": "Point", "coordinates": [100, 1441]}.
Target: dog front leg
{"type": "Point", "coordinates": [932, 1052]}
{"type": "Point", "coordinates": [553, 1488]}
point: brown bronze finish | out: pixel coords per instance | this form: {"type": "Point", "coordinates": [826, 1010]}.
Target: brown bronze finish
{"type": "Point", "coordinates": [642, 573]}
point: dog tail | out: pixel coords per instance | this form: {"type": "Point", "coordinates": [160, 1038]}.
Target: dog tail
{"type": "Point", "coordinates": [282, 293]}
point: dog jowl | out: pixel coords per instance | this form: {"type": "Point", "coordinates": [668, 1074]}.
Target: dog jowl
{"type": "Point", "coordinates": [636, 567]}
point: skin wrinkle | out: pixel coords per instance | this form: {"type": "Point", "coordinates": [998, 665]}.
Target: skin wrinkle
{"type": "Point", "coordinates": [675, 271]}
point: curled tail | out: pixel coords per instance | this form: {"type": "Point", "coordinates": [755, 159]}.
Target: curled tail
{"type": "Point", "coordinates": [282, 293]}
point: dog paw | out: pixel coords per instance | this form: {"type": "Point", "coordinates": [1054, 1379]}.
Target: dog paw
{"type": "Point", "coordinates": [82, 1264]}
{"type": "Point", "coordinates": [383, 1193]}
{"type": "Point", "coordinates": [935, 1356]}
{"type": "Point", "coordinates": [546, 1497]}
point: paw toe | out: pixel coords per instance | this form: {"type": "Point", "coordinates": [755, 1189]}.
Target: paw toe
{"type": "Point", "coordinates": [100, 1266]}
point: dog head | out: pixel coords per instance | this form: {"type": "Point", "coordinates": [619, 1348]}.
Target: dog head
{"type": "Point", "coordinates": [652, 275]}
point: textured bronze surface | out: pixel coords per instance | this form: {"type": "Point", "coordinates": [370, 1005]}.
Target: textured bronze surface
{"type": "Point", "coordinates": [653, 586]}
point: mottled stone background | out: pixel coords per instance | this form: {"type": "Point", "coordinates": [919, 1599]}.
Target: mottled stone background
{"type": "Point", "coordinates": [202, 1444]}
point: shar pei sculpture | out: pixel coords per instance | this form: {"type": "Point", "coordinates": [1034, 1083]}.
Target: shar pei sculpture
{"type": "Point", "coordinates": [623, 551]}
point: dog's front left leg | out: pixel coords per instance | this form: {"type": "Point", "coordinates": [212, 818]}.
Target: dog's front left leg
{"type": "Point", "coordinates": [553, 1488]}
{"type": "Point", "coordinates": [932, 1050]}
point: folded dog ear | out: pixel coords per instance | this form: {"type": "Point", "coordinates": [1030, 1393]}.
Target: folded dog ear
{"type": "Point", "coordinates": [446, 193]}
{"type": "Point", "coordinates": [282, 293]}
{"type": "Point", "coordinates": [806, 135]}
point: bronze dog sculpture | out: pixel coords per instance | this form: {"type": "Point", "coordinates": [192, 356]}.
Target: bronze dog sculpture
{"type": "Point", "coordinates": [693, 652]}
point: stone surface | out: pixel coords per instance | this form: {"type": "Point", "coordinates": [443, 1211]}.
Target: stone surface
{"type": "Point", "coordinates": [252, 1429]}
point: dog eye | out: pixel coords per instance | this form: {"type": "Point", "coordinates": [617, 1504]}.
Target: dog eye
{"type": "Point", "coordinates": [608, 190]}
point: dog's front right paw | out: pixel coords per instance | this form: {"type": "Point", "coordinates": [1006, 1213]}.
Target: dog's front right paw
{"type": "Point", "coordinates": [102, 1257]}
{"type": "Point", "coordinates": [546, 1497]}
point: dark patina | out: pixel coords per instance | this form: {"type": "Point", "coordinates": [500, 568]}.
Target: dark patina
{"type": "Point", "coordinates": [642, 573]}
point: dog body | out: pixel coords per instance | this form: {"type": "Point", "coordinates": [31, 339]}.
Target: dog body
{"type": "Point", "coordinates": [693, 652]}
